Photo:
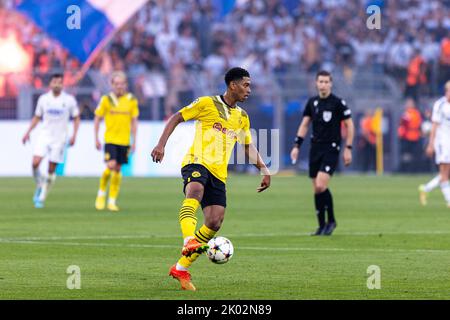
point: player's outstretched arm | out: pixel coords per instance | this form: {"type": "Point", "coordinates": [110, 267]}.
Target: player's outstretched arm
{"type": "Point", "coordinates": [255, 159]}
{"type": "Point", "coordinates": [301, 134]}
{"type": "Point", "coordinates": [33, 125]}
{"type": "Point", "coordinates": [349, 141]}
{"type": "Point", "coordinates": [158, 151]}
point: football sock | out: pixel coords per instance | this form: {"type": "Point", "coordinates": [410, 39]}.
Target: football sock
{"type": "Point", "coordinates": [180, 267]}
{"type": "Point", "coordinates": [104, 181]}
{"type": "Point", "coordinates": [204, 234]}
{"type": "Point", "coordinates": [432, 184]}
{"type": "Point", "coordinates": [187, 218]}
{"type": "Point", "coordinates": [329, 206]}
{"type": "Point", "coordinates": [37, 176]}
{"type": "Point", "coordinates": [46, 184]}
{"type": "Point", "coordinates": [185, 262]}
{"type": "Point", "coordinates": [114, 188]}
{"type": "Point", "coordinates": [320, 208]}
{"type": "Point", "coordinates": [445, 188]}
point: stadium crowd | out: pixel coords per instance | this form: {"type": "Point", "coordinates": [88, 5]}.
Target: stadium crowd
{"type": "Point", "coordinates": [178, 36]}
{"type": "Point", "coordinates": [169, 43]}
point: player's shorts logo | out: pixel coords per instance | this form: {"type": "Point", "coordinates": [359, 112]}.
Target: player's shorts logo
{"type": "Point", "coordinates": [327, 116]}
{"type": "Point", "coordinates": [196, 174]}
{"type": "Point", "coordinates": [107, 156]}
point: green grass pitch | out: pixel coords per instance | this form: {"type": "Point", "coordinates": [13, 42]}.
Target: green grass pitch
{"type": "Point", "coordinates": [127, 255]}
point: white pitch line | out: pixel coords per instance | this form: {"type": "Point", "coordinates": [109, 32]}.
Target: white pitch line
{"type": "Point", "coordinates": [123, 245]}
{"type": "Point", "coordinates": [241, 235]}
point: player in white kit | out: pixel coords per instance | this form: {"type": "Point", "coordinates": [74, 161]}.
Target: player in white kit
{"type": "Point", "coordinates": [54, 108]}
{"type": "Point", "coordinates": [439, 145]}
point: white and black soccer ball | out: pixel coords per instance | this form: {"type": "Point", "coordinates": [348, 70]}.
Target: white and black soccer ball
{"type": "Point", "coordinates": [220, 250]}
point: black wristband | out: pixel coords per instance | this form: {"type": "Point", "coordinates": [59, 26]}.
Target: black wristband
{"type": "Point", "coordinates": [298, 142]}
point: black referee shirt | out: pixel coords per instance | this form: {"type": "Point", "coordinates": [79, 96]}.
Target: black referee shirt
{"type": "Point", "coordinates": [326, 115]}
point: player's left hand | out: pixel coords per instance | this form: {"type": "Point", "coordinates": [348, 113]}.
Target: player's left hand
{"type": "Point", "coordinates": [133, 147]}
{"type": "Point", "coordinates": [347, 157]}
{"type": "Point", "coordinates": [158, 154]}
{"type": "Point", "coordinates": [72, 141]}
{"type": "Point", "coordinates": [265, 183]}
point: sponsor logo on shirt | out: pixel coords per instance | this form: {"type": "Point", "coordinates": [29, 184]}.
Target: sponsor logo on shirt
{"type": "Point", "coordinates": [55, 112]}
{"type": "Point", "coordinates": [228, 132]}
{"type": "Point", "coordinates": [119, 112]}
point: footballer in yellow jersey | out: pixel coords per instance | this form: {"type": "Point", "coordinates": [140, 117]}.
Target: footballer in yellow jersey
{"type": "Point", "coordinates": [120, 111]}
{"type": "Point", "coordinates": [220, 124]}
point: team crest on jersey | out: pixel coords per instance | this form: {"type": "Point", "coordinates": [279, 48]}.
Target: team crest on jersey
{"type": "Point", "coordinates": [196, 174]}
{"type": "Point", "coordinates": [327, 115]}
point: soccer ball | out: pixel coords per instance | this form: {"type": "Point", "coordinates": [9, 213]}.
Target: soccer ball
{"type": "Point", "coordinates": [220, 250]}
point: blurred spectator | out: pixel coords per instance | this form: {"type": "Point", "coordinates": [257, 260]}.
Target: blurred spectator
{"type": "Point", "coordinates": [416, 76]}
{"type": "Point", "coordinates": [409, 132]}
{"type": "Point", "coordinates": [367, 142]}
{"type": "Point", "coordinates": [444, 61]}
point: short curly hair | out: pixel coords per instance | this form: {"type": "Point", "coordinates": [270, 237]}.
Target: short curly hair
{"type": "Point", "coordinates": [236, 73]}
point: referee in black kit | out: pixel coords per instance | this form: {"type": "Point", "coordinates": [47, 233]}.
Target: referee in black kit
{"type": "Point", "coordinates": [326, 112]}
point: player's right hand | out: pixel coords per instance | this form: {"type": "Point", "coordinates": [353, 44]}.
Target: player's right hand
{"type": "Point", "coordinates": [25, 138]}
{"type": "Point", "coordinates": [294, 154]}
{"type": "Point", "coordinates": [158, 154]}
{"type": "Point", "coordinates": [98, 145]}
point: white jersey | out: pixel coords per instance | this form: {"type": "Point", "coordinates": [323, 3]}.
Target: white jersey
{"type": "Point", "coordinates": [441, 116]}
{"type": "Point", "coordinates": [55, 113]}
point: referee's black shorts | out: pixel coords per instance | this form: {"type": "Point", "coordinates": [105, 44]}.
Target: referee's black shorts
{"type": "Point", "coordinates": [323, 157]}
{"type": "Point", "coordinates": [215, 191]}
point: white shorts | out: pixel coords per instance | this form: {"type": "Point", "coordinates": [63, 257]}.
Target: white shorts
{"type": "Point", "coordinates": [54, 150]}
{"type": "Point", "coordinates": [442, 150]}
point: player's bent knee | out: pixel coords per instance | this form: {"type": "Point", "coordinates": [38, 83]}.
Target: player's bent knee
{"type": "Point", "coordinates": [320, 188]}
{"type": "Point", "coordinates": [194, 190]}
{"type": "Point", "coordinates": [112, 165]}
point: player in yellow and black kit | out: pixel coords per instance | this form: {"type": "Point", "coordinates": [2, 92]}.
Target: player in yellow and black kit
{"type": "Point", "coordinates": [120, 111]}
{"type": "Point", "coordinates": [220, 124]}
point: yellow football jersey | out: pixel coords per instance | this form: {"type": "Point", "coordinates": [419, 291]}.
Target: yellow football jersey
{"type": "Point", "coordinates": [118, 113]}
{"type": "Point", "coordinates": [217, 130]}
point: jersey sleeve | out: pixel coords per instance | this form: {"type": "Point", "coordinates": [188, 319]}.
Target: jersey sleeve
{"type": "Point", "coordinates": [436, 115]}
{"type": "Point", "coordinates": [346, 113]}
{"type": "Point", "coordinates": [74, 110]}
{"type": "Point", "coordinates": [101, 108]}
{"type": "Point", "coordinates": [245, 135]}
{"type": "Point", "coordinates": [308, 109]}
{"type": "Point", "coordinates": [195, 109]}
{"type": "Point", "coordinates": [39, 112]}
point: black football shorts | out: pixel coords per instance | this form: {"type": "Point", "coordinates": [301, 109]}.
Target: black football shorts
{"type": "Point", "coordinates": [116, 152]}
{"type": "Point", "coordinates": [215, 191]}
{"type": "Point", "coordinates": [323, 157]}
